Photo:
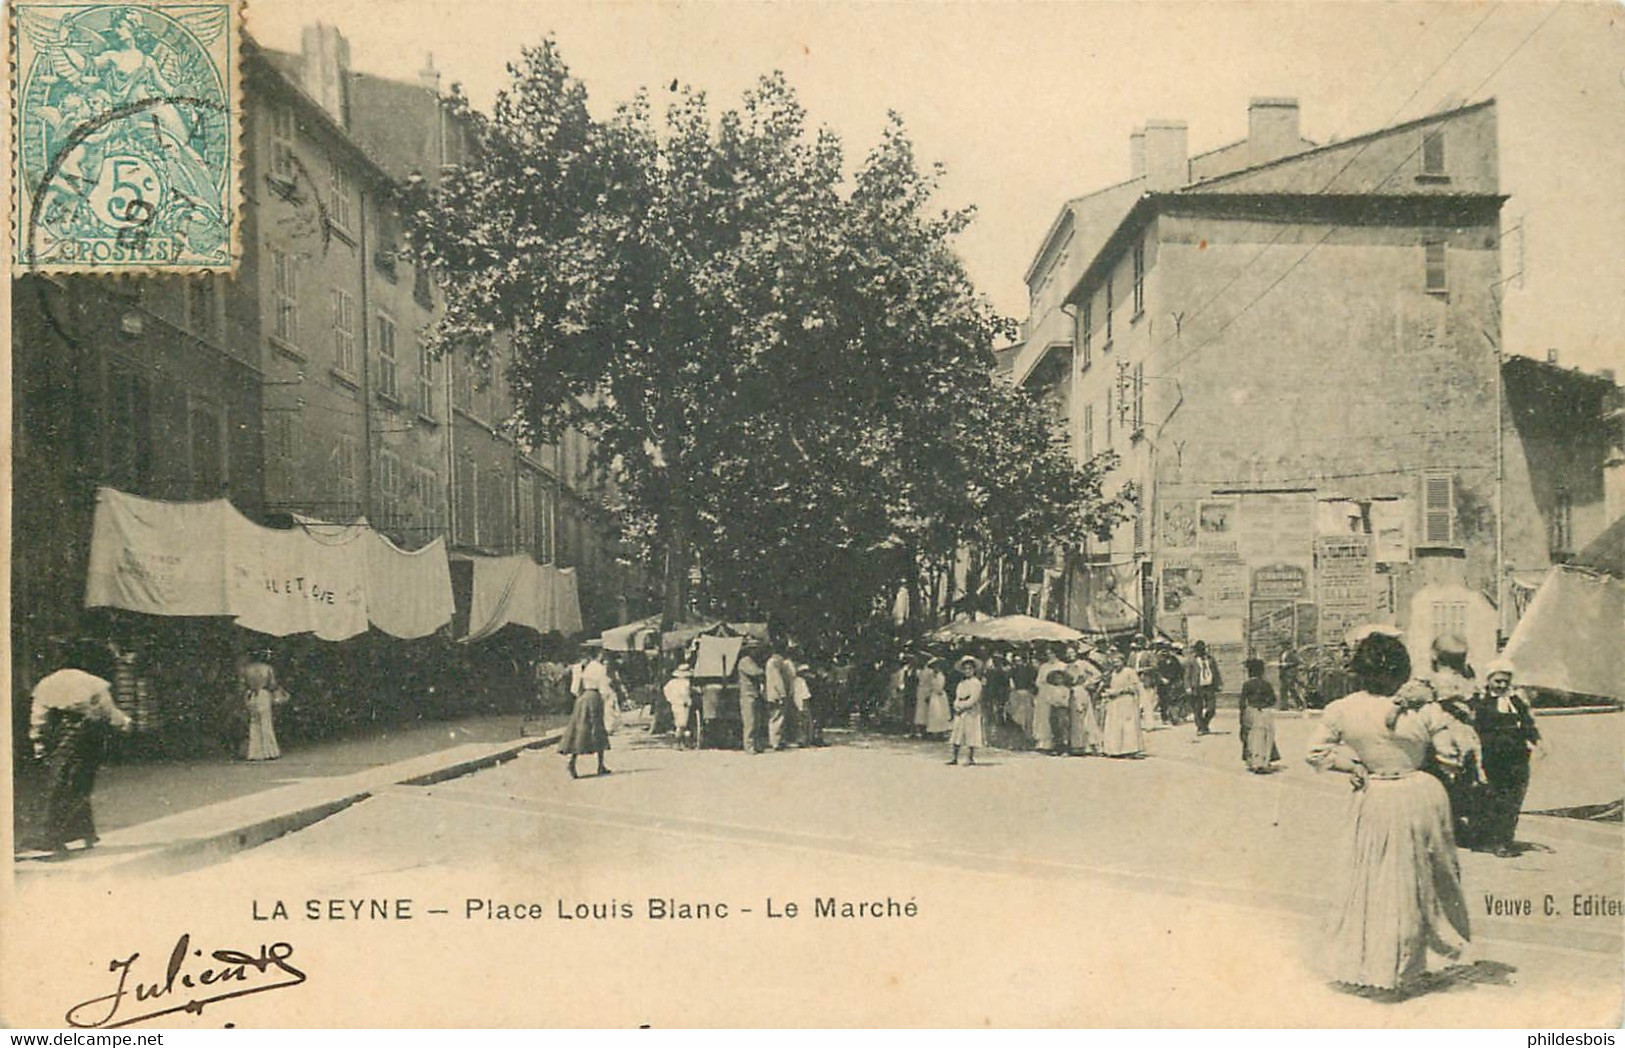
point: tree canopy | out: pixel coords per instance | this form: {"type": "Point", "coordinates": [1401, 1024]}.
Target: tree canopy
{"type": "Point", "coordinates": [786, 371]}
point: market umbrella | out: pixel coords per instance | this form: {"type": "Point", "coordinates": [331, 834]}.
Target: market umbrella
{"type": "Point", "coordinates": [1572, 638]}
{"type": "Point", "coordinates": [1013, 628]}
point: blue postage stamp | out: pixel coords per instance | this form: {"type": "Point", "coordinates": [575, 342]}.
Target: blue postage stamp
{"type": "Point", "coordinates": [127, 124]}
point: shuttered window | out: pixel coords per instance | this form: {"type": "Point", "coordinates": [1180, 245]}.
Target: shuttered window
{"type": "Point", "coordinates": [1085, 335]}
{"type": "Point", "coordinates": [1433, 152]}
{"type": "Point", "coordinates": [1438, 509]}
{"type": "Point", "coordinates": [1434, 260]}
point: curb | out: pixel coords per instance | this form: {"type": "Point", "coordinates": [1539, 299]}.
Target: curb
{"type": "Point", "coordinates": [191, 853]}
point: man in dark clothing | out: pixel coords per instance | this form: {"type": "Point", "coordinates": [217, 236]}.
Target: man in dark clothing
{"type": "Point", "coordinates": [1202, 682]}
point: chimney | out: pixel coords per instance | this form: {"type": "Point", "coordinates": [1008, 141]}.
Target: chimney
{"type": "Point", "coordinates": [1606, 374]}
{"type": "Point", "coordinates": [1551, 356]}
{"type": "Point", "coordinates": [1272, 129]}
{"type": "Point", "coordinates": [1167, 162]}
{"type": "Point", "coordinates": [327, 69]}
{"type": "Point", "coordinates": [1136, 153]}
{"type": "Point", "coordinates": [429, 76]}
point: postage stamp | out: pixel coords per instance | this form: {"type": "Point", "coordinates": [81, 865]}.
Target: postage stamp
{"type": "Point", "coordinates": [127, 124]}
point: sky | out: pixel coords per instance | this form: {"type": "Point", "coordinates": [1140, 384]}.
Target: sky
{"type": "Point", "coordinates": [1028, 104]}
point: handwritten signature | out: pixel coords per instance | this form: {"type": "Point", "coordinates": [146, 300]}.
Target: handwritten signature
{"type": "Point", "coordinates": [227, 973]}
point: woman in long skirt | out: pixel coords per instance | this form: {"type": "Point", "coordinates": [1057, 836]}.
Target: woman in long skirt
{"type": "Point", "coordinates": [261, 695]}
{"type": "Point", "coordinates": [938, 719]}
{"type": "Point", "coordinates": [72, 711]}
{"type": "Point", "coordinates": [586, 732]}
{"type": "Point", "coordinates": [967, 729]}
{"type": "Point", "coordinates": [1087, 734]}
{"type": "Point", "coordinates": [1507, 733]}
{"type": "Point", "coordinates": [1122, 736]}
{"type": "Point", "coordinates": [1258, 720]}
{"type": "Point", "coordinates": [1399, 894]}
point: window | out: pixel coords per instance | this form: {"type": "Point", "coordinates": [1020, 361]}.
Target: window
{"type": "Point", "coordinates": [388, 373]}
{"type": "Point", "coordinates": [422, 283]}
{"type": "Point", "coordinates": [466, 509]}
{"type": "Point", "coordinates": [1562, 530]}
{"type": "Point", "coordinates": [1085, 335]}
{"type": "Point", "coordinates": [1433, 153]}
{"type": "Point", "coordinates": [283, 135]}
{"type": "Point", "coordinates": [1449, 617]}
{"type": "Point", "coordinates": [425, 386]}
{"type": "Point", "coordinates": [1088, 432]}
{"type": "Point", "coordinates": [347, 462]}
{"type": "Point", "coordinates": [1438, 509]}
{"type": "Point", "coordinates": [282, 451]}
{"type": "Point", "coordinates": [527, 513]}
{"type": "Point", "coordinates": [545, 535]}
{"type": "Point", "coordinates": [1139, 396]}
{"type": "Point", "coordinates": [1108, 311]}
{"type": "Point", "coordinates": [202, 305]}
{"type": "Point", "coordinates": [208, 446]}
{"type": "Point", "coordinates": [1139, 278]}
{"type": "Point", "coordinates": [1108, 418]}
{"type": "Point", "coordinates": [284, 297]}
{"type": "Point", "coordinates": [339, 191]}
{"type": "Point", "coordinates": [344, 357]}
{"type": "Point", "coordinates": [129, 428]}
{"type": "Point", "coordinates": [462, 383]}
{"type": "Point", "coordinates": [1434, 260]}
{"type": "Point", "coordinates": [389, 478]}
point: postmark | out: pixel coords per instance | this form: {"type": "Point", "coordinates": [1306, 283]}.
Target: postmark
{"type": "Point", "coordinates": [127, 128]}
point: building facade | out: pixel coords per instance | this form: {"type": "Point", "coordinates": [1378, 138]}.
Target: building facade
{"type": "Point", "coordinates": [296, 387]}
{"type": "Point", "coordinates": [1294, 350]}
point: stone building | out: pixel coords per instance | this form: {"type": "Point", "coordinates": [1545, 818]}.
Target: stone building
{"type": "Point", "coordinates": [1293, 349]}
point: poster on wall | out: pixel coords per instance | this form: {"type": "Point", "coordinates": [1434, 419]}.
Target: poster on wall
{"type": "Point", "coordinates": [1344, 583]}
{"type": "Point", "coordinates": [1179, 524]}
{"type": "Point", "coordinates": [1289, 582]}
{"type": "Point", "coordinates": [1391, 528]}
{"type": "Point", "coordinates": [1216, 527]}
{"type": "Point", "coordinates": [1182, 587]}
{"type": "Point", "coordinates": [1225, 586]}
{"type": "Point", "coordinates": [1273, 528]}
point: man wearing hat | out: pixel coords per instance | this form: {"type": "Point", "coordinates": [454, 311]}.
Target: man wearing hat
{"type": "Point", "coordinates": [1506, 727]}
{"type": "Point", "coordinates": [750, 695]}
{"type": "Point", "coordinates": [1202, 683]}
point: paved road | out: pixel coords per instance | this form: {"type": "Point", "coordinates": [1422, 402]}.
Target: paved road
{"type": "Point", "coordinates": [1175, 890]}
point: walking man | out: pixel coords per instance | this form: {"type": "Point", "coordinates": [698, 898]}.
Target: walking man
{"type": "Point", "coordinates": [1291, 696]}
{"type": "Point", "coordinates": [1202, 682]}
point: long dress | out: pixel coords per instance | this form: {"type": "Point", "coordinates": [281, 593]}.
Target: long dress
{"type": "Point", "coordinates": [73, 743]}
{"type": "Point", "coordinates": [967, 729]}
{"type": "Point", "coordinates": [1087, 734]}
{"type": "Point", "coordinates": [1258, 725]}
{"type": "Point", "coordinates": [262, 744]}
{"type": "Point", "coordinates": [925, 682]}
{"type": "Point", "coordinates": [1122, 737]}
{"type": "Point", "coordinates": [260, 684]}
{"type": "Point", "coordinates": [1507, 730]}
{"type": "Point", "coordinates": [937, 716]}
{"type": "Point", "coordinates": [1398, 894]}
{"type": "Point", "coordinates": [586, 732]}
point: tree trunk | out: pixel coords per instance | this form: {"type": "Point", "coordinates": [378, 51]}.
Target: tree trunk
{"type": "Point", "coordinates": [677, 564]}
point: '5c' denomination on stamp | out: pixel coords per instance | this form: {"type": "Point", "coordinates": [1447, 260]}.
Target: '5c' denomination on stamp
{"type": "Point", "coordinates": [127, 127]}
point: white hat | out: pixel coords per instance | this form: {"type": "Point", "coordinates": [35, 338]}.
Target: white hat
{"type": "Point", "coordinates": [1500, 666]}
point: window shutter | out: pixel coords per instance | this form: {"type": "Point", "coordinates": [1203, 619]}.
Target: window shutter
{"type": "Point", "coordinates": [1433, 153]}
{"type": "Point", "coordinates": [1438, 508]}
{"type": "Point", "coordinates": [1434, 260]}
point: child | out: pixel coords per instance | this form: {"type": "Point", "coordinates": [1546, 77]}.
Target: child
{"type": "Point", "coordinates": [967, 730]}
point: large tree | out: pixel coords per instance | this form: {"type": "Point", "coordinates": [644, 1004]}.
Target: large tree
{"type": "Point", "coordinates": [787, 373]}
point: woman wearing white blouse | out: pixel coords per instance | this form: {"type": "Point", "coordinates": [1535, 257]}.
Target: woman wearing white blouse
{"type": "Point", "coordinates": [1399, 891]}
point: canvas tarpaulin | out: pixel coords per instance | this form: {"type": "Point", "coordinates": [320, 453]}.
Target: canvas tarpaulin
{"type": "Point", "coordinates": [205, 558]}
{"type": "Point", "coordinates": [1572, 638]}
{"type": "Point", "coordinates": [160, 558]}
{"type": "Point", "coordinates": [518, 591]}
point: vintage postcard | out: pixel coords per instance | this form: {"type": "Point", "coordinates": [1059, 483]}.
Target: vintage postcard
{"type": "Point", "coordinates": [565, 514]}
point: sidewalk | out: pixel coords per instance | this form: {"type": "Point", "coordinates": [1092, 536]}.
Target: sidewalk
{"type": "Point", "coordinates": [163, 816]}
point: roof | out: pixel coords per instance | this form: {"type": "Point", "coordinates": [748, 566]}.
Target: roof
{"type": "Point", "coordinates": [1606, 552]}
{"type": "Point", "coordinates": [1361, 139]}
